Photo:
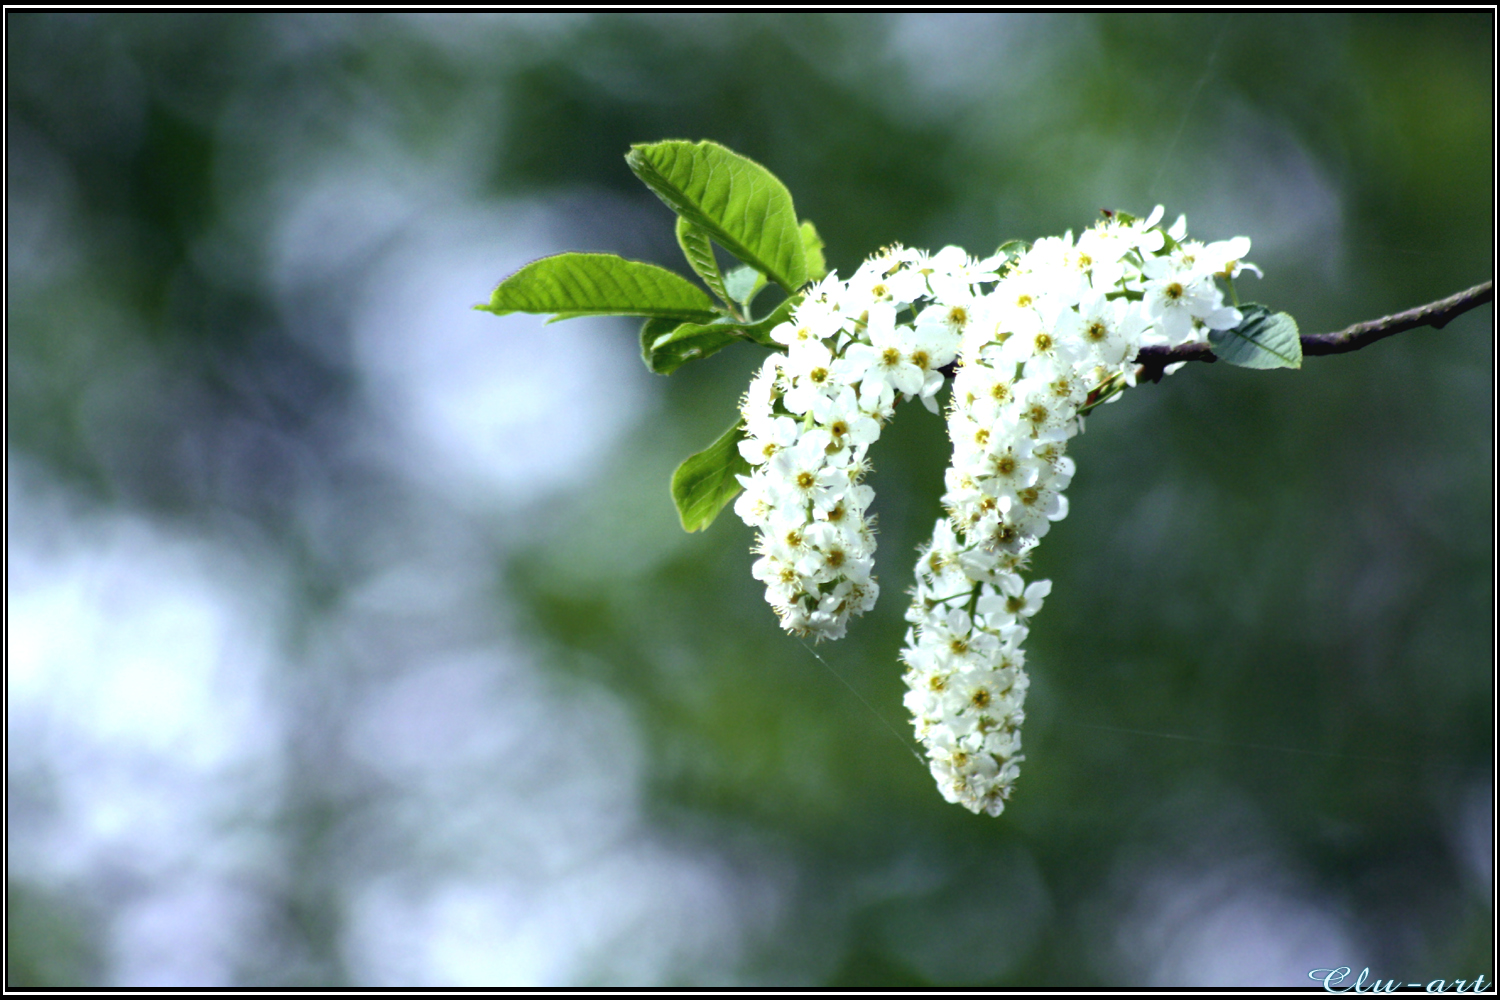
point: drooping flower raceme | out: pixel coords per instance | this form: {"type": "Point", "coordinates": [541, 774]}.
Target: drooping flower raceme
{"type": "Point", "coordinates": [1057, 333]}
{"type": "Point", "coordinates": [853, 349]}
{"type": "Point", "coordinates": [1039, 339]}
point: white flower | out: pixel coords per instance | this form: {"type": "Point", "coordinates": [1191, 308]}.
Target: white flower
{"type": "Point", "coordinates": [1111, 330]}
{"type": "Point", "coordinates": [1180, 301]}
{"type": "Point", "coordinates": [1015, 600]}
{"type": "Point", "coordinates": [800, 476]}
{"type": "Point", "coordinates": [883, 364]}
{"type": "Point", "coordinates": [1065, 321]}
{"type": "Point", "coordinates": [765, 436]}
{"type": "Point", "coordinates": [1061, 327]}
{"type": "Point", "coordinates": [841, 419]}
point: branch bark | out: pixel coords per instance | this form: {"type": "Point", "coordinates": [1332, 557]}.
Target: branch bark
{"type": "Point", "coordinates": [1154, 360]}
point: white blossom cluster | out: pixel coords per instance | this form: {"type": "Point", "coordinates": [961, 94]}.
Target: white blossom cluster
{"type": "Point", "coordinates": [1056, 334]}
{"type": "Point", "coordinates": [852, 349]}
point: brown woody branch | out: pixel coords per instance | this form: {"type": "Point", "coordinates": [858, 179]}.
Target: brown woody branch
{"type": "Point", "coordinates": [1154, 360]}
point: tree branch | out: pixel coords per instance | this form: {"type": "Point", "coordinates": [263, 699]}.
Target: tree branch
{"type": "Point", "coordinates": [1154, 360]}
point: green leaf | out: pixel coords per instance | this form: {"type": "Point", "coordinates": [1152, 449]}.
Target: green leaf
{"type": "Point", "coordinates": [812, 251]}
{"type": "Point", "coordinates": [700, 257]}
{"type": "Point", "coordinates": [667, 345]}
{"type": "Point", "coordinates": [760, 330]}
{"type": "Point", "coordinates": [1262, 340]}
{"type": "Point", "coordinates": [650, 331]}
{"type": "Point", "coordinates": [600, 284]}
{"type": "Point", "coordinates": [704, 483]}
{"type": "Point", "coordinates": [1012, 249]}
{"type": "Point", "coordinates": [686, 342]}
{"type": "Point", "coordinates": [744, 284]}
{"type": "Point", "coordinates": [735, 200]}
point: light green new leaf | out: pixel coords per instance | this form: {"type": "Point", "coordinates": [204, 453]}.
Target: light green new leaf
{"type": "Point", "coordinates": [1012, 249]}
{"type": "Point", "coordinates": [600, 284]}
{"type": "Point", "coordinates": [744, 284]}
{"type": "Point", "coordinates": [1262, 340]}
{"type": "Point", "coordinates": [700, 257]}
{"type": "Point", "coordinates": [735, 200]}
{"type": "Point", "coordinates": [704, 483]}
{"type": "Point", "coordinates": [812, 251]}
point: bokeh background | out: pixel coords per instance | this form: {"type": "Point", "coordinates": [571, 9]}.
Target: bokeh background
{"type": "Point", "coordinates": [352, 638]}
